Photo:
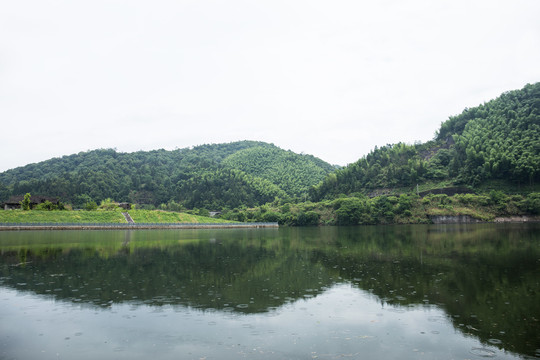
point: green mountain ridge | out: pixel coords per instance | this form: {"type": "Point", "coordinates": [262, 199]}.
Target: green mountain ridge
{"type": "Point", "coordinates": [205, 176]}
{"type": "Point", "coordinates": [498, 141]}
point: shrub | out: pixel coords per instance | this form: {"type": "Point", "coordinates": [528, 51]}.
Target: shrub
{"type": "Point", "coordinates": [532, 203]}
{"type": "Point", "coordinates": [171, 206]}
{"type": "Point", "coordinates": [203, 212]}
{"type": "Point", "coordinates": [108, 204]}
{"type": "Point", "coordinates": [441, 199]}
{"type": "Point", "coordinates": [307, 218]}
{"type": "Point", "coordinates": [350, 211]}
{"type": "Point", "coordinates": [271, 216]}
{"type": "Point", "coordinates": [404, 204]}
{"type": "Point", "coordinates": [46, 205]}
{"type": "Point", "coordinates": [286, 208]}
{"type": "Point", "coordinates": [90, 206]}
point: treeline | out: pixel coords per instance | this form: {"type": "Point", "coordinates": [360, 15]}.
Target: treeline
{"type": "Point", "coordinates": [499, 140]}
{"type": "Point", "coordinates": [207, 176]}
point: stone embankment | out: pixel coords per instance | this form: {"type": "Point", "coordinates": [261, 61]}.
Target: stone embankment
{"type": "Point", "coordinates": [133, 226]}
{"type": "Point", "coordinates": [517, 219]}
{"type": "Point", "coordinates": [454, 219]}
{"type": "Point", "coordinates": [466, 219]}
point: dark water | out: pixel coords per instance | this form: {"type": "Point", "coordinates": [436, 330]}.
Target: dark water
{"type": "Point", "coordinates": [407, 292]}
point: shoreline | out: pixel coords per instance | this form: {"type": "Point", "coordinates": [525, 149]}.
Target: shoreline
{"type": "Point", "coordinates": [52, 226]}
{"type": "Point", "coordinates": [435, 219]}
{"type": "Point", "coordinates": [467, 219]}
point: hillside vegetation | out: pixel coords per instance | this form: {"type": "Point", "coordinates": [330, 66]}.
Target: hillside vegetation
{"type": "Point", "coordinates": [389, 209]}
{"type": "Point", "coordinates": [209, 176]}
{"type": "Point", "coordinates": [497, 142]}
{"type": "Point", "coordinates": [293, 173]}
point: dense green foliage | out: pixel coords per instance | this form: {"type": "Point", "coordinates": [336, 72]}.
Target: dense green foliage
{"type": "Point", "coordinates": [208, 176]}
{"type": "Point", "coordinates": [227, 188]}
{"type": "Point", "coordinates": [402, 209]}
{"type": "Point", "coordinates": [499, 140]}
{"type": "Point", "coordinates": [293, 173]}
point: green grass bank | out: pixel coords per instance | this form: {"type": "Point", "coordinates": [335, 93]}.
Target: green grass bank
{"type": "Point", "coordinates": [103, 217]}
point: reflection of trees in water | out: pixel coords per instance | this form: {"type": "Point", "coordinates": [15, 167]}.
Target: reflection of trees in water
{"type": "Point", "coordinates": [485, 278]}
{"type": "Point", "coordinates": [204, 276]}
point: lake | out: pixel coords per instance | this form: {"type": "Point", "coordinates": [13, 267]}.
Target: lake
{"type": "Point", "coordinates": [371, 292]}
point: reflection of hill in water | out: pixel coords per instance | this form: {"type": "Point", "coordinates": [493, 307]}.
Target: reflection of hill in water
{"type": "Point", "coordinates": [486, 279]}
{"type": "Point", "coordinates": [216, 276]}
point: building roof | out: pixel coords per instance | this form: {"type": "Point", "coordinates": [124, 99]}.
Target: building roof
{"type": "Point", "coordinates": [34, 199]}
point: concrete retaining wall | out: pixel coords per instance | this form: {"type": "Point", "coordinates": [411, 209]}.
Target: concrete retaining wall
{"type": "Point", "coordinates": [134, 226]}
{"type": "Point", "coordinates": [454, 219]}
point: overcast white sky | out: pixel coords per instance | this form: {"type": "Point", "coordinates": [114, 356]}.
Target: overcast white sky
{"type": "Point", "coordinates": [328, 78]}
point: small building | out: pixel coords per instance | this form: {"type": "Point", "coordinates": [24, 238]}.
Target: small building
{"type": "Point", "coordinates": [14, 202]}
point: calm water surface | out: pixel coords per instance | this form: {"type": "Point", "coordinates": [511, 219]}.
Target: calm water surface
{"type": "Point", "coordinates": [407, 292]}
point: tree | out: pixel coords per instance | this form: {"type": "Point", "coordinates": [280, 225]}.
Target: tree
{"type": "Point", "coordinates": [25, 204]}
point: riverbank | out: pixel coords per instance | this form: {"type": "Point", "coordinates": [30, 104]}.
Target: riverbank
{"type": "Point", "coordinates": [13, 220]}
{"type": "Point", "coordinates": [403, 209]}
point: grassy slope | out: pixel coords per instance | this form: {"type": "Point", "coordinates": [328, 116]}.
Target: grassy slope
{"type": "Point", "coordinates": [36, 216]}
{"type": "Point", "coordinates": [156, 216]}
{"type": "Point", "coordinates": [139, 216]}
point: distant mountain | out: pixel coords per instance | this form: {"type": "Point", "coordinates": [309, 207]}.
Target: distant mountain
{"type": "Point", "coordinates": [207, 176]}
{"type": "Point", "coordinates": [498, 141]}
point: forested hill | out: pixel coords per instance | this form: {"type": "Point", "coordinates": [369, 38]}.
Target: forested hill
{"type": "Point", "coordinates": [497, 142]}
{"type": "Point", "coordinates": [208, 176]}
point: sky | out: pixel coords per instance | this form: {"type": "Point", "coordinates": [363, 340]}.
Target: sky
{"type": "Point", "coordinates": [329, 78]}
